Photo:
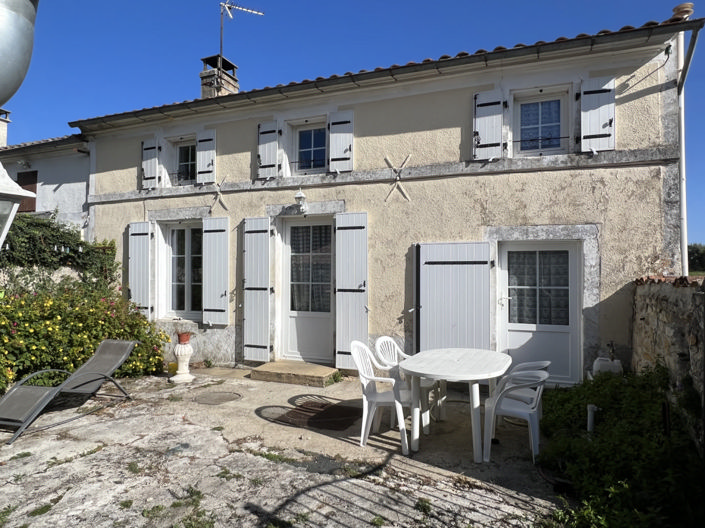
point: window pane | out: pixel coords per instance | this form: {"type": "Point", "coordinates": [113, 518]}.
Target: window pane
{"type": "Point", "coordinates": [320, 268]}
{"type": "Point", "coordinates": [551, 136]}
{"type": "Point", "coordinates": [178, 297]}
{"type": "Point", "coordinates": [553, 268]}
{"type": "Point", "coordinates": [319, 138]}
{"type": "Point", "coordinates": [553, 306]}
{"type": "Point", "coordinates": [305, 139]}
{"type": "Point", "coordinates": [318, 158]}
{"type": "Point", "coordinates": [551, 112]}
{"type": "Point", "coordinates": [178, 242]}
{"type": "Point", "coordinates": [178, 269]}
{"type": "Point", "coordinates": [196, 242]}
{"type": "Point", "coordinates": [529, 114]}
{"type": "Point", "coordinates": [522, 268]}
{"type": "Point", "coordinates": [320, 298]}
{"type": "Point", "coordinates": [320, 239]}
{"type": "Point", "coordinates": [197, 270]}
{"type": "Point", "coordinates": [300, 297]}
{"type": "Point", "coordinates": [522, 305]}
{"type": "Point", "coordinates": [300, 268]}
{"type": "Point", "coordinates": [530, 138]}
{"type": "Point", "coordinates": [300, 239]}
{"type": "Point", "coordinates": [196, 297]}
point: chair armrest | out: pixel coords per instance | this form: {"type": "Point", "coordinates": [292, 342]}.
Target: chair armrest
{"type": "Point", "coordinates": [35, 374]}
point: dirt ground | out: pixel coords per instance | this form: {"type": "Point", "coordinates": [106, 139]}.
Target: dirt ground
{"type": "Point", "coordinates": [225, 451]}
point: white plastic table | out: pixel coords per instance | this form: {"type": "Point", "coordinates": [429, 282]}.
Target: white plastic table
{"type": "Point", "coordinates": [454, 364]}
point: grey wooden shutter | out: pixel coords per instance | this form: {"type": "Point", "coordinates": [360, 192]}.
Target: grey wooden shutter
{"type": "Point", "coordinates": [205, 157]}
{"type": "Point", "coordinates": [452, 295]}
{"type": "Point", "coordinates": [597, 113]}
{"type": "Point", "coordinates": [487, 125]}
{"type": "Point", "coordinates": [216, 271]}
{"type": "Point", "coordinates": [350, 285]}
{"type": "Point", "coordinates": [256, 289]}
{"type": "Point", "coordinates": [150, 164]}
{"type": "Point", "coordinates": [139, 243]}
{"type": "Point", "coordinates": [340, 153]}
{"type": "Point", "coordinates": [267, 146]}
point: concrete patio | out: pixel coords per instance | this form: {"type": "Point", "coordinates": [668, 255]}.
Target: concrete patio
{"type": "Point", "coordinates": [226, 450]}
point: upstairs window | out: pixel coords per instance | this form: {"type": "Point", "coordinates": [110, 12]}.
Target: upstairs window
{"type": "Point", "coordinates": [186, 164]}
{"type": "Point", "coordinates": [541, 123]}
{"type": "Point", "coordinates": [311, 149]}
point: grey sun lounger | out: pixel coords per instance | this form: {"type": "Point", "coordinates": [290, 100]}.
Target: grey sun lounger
{"type": "Point", "coordinates": [23, 403]}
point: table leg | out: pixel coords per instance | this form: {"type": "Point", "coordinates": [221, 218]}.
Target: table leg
{"type": "Point", "coordinates": [415, 412]}
{"type": "Point", "coordinates": [476, 421]}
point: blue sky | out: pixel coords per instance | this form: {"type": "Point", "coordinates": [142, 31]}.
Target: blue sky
{"type": "Point", "coordinates": [95, 58]}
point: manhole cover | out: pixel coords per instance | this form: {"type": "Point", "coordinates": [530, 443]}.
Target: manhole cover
{"type": "Point", "coordinates": [216, 398]}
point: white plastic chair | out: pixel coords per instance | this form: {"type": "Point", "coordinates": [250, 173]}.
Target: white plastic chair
{"type": "Point", "coordinates": [526, 395]}
{"type": "Point", "coordinates": [500, 404]}
{"type": "Point", "coordinates": [373, 399]}
{"type": "Point", "coordinates": [391, 354]}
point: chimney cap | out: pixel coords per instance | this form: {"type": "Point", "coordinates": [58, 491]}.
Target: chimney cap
{"type": "Point", "coordinates": [212, 61]}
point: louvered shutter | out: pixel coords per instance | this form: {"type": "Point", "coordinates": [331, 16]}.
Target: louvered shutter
{"type": "Point", "coordinates": [139, 243]}
{"type": "Point", "coordinates": [487, 130]}
{"type": "Point", "coordinates": [150, 164]}
{"type": "Point", "coordinates": [216, 271]}
{"type": "Point", "coordinates": [597, 112]}
{"type": "Point", "coordinates": [452, 295]}
{"type": "Point", "coordinates": [350, 285]}
{"type": "Point", "coordinates": [267, 145]}
{"type": "Point", "coordinates": [256, 289]}
{"type": "Point", "coordinates": [205, 157]}
{"type": "Point", "coordinates": [340, 126]}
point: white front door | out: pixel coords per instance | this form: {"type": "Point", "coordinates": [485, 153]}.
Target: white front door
{"type": "Point", "coordinates": [309, 319]}
{"type": "Point", "coordinates": [539, 305]}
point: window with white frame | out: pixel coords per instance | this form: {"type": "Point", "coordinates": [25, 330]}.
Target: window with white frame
{"type": "Point", "coordinates": [185, 173]}
{"type": "Point", "coordinates": [186, 270]}
{"type": "Point", "coordinates": [305, 146]}
{"type": "Point", "coordinates": [541, 123]}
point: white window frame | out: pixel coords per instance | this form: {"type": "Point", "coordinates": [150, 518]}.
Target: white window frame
{"type": "Point", "coordinates": [190, 144]}
{"type": "Point", "coordinates": [165, 278]}
{"type": "Point", "coordinates": [544, 94]}
{"type": "Point", "coordinates": [294, 127]}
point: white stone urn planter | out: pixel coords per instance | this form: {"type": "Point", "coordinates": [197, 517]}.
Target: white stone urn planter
{"type": "Point", "coordinates": [183, 352]}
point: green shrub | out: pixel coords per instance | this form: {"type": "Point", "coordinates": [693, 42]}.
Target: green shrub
{"type": "Point", "coordinates": [638, 468]}
{"type": "Point", "coordinates": [60, 327]}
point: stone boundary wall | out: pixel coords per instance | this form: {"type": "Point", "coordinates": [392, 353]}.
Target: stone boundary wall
{"type": "Point", "coordinates": [669, 327]}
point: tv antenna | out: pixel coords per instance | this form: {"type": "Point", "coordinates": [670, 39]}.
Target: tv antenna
{"type": "Point", "coordinates": [227, 7]}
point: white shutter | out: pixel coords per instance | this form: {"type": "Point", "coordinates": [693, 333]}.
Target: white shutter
{"type": "Point", "coordinates": [452, 295]}
{"type": "Point", "coordinates": [256, 289]}
{"type": "Point", "coordinates": [267, 145]}
{"type": "Point", "coordinates": [487, 129]}
{"type": "Point", "coordinates": [150, 164]}
{"type": "Point", "coordinates": [216, 272]}
{"type": "Point", "coordinates": [597, 114]}
{"type": "Point", "coordinates": [340, 153]}
{"type": "Point", "coordinates": [205, 157]}
{"type": "Point", "coordinates": [139, 244]}
{"type": "Point", "coordinates": [350, 285]}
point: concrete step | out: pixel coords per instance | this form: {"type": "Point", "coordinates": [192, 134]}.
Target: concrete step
{"type": "Point", "coordinates": [294, 372]}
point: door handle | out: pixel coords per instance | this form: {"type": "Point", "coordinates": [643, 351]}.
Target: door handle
{"type": "Point", "coordinates": [501, 300]}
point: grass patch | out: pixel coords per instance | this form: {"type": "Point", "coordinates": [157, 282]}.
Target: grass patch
{"type": "Point", "coordinates": [226, 474]}
{"type": "Point", "coordinates": [257, 481]}
{"type": "Point", "coordinates": [5, 514]}
{"type": "Point", "coordinates": [126, 504]}
{"type": "Point", "coordinates": [154, 512]}
{"type": "Point", "coordinates": [133, 467]}
{"type": "Point", "coordinates": [218, 428]}
{"type": "Point", "coordinates": [423, 505]}
{"type": "Point", "coordinates": [40, 511]}
{"type": "Point", "coordinates": [378, 521]}
{"type": "Point", "coordinates": [174, 398]}
{"type": "Point", "coordinates": [23, 454]}
{"type": "Point", "coordinates": [277, 458]}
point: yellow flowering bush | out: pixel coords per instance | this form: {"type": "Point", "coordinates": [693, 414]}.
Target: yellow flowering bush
{"type": "Point", "coordinates": [60, 328]}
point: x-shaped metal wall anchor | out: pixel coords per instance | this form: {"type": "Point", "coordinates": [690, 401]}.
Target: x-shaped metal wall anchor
{"type": "Point", "coordinates": [397, 180]}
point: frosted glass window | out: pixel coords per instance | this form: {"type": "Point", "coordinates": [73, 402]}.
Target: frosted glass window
{"type": "Point", "coordinates": [540, 125]}
{"type": "Point", "coordinates": [539, 287]}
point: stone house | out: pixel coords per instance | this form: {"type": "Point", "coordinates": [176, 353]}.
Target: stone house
{"type": "Point", "coordinates": [503, 199]}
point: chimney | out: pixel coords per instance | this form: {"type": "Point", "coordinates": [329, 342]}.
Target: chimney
{"type": "Point", "coordinates": [218, 77]}
{"type": "Point", "coordinates": [4, 121]}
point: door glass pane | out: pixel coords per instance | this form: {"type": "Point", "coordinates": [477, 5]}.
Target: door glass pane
{"type": "Point", "coordinates": [522, 305]}
{"type": "Point", "coordinates": [553, 306]}
{"type": "Point", "coordinates": [522, 268]}
{"type": "Point", "coordinates": [320, 268]}
{"type": "Point", "coordinates": [300, 239]}
{"type": "Point", "coordinates": [320, 239]}
{"type": "Point", "coordinates": [196, 297]}
{"type": "Point", "coordinates": [320, 297]}
{"type": "Point", "coordinates": [300, 268]}
{"type": "Point", "coordinates": [300, 297]}
{"type": "Point", "coordinates": [178, 296]}
{"type": "Point", "coordinates": [553, 268]}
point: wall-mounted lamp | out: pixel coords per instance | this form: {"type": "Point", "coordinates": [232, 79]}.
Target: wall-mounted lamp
{"type": "Point", "coordinates": [300, 198]}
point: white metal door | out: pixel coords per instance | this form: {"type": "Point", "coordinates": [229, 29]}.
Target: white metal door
{"type": "Point", "coordinates": [539, 305]}
{"type": "Point", "coordinates": [309, 319]}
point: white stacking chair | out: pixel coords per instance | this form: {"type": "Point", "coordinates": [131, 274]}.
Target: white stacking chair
{"type": "Point", "coordinates": [372, 398]}
{"type": "Point", "coordinates": [501, 404]}
{"type": "Point", "coordinates": [391, 354]}
{"type": "Point", "coordinates": [525, 395]}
